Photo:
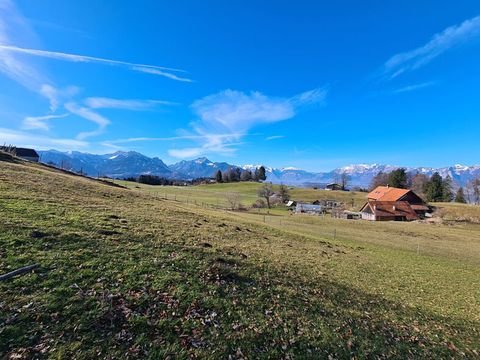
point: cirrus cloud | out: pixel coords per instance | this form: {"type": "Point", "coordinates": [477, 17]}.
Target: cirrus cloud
{"type": "Point", "coordinates": [39, 122]}
{"type": "Point", "coordinates": [125, 104]}
{"type": "Point", "coordinates": [439, 43]}
{"type": "Point", "coordinates": [236, 113]}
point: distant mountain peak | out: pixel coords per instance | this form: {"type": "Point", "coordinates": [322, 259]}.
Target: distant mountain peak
{"type": "Point", "coordinates": [460, 167]}
{"type": "Point", "coordinates": [202, 160]}
{"type": "Point", "coordinates": [121, 164]}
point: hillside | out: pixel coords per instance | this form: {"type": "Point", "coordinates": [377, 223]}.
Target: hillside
{"type": "Point", "coordinates": [125, 274]}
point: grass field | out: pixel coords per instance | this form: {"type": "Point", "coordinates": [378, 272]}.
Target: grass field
{"type": "Point", "coordinates": [125, 273]}
{"type": "Point", "coordinates": [215, 194]}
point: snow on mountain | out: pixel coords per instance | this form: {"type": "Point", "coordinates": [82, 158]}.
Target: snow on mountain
{"type": "Point", "coordinates": [201, 167]}
{"type": "Point", "coordinates": [117, 165]}
{"type": "Point", "coordinates": [131, 164]}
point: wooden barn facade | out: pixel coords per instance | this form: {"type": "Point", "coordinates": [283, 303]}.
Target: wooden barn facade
{"type": "Point", "coordinates": [388, 211]}
{"type": "Point", "coordinates": [387, 203]}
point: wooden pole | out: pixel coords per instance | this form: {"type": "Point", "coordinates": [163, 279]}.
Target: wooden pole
{"type": "Point", "coordinates": [20, 271]}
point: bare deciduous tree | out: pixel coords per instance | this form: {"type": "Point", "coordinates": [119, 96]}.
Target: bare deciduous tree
{"type": "Point", "coordinates": [284, 193]}
{"type": "Point", "coordinates": [344, 180]}
{"type": "Point", "coordinates": [475, 184]}
{"type": "Point", "coordinates": [265, 192]}
{"type": "Point", "coordinates": [233, 200]}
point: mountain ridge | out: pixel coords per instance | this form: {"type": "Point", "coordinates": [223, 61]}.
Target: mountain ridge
{"type": "Point", "coordinates": [123, 164]}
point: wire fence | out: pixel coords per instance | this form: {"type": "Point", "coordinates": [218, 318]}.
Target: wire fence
{"type": "Point", "coordinates": [315, 226]}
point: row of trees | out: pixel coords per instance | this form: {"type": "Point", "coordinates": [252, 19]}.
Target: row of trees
{"type": "Point", "coordinates": [237, 174]}
{"type": "Point", "coordinates": [155, 180]}
{"type": "Point", "coordinates": [434, 188]}
{"type": "Point", "coordinates": [158, 180]}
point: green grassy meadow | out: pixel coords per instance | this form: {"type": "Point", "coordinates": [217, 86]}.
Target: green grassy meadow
{"type": "Point", "coordinates": [159, 272]}
{"type": "Point", "coordinates": [216, 194]}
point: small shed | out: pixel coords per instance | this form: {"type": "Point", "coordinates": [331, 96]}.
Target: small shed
{"type": "Point", "coordinates": [308, 209]}
{"type": "Point", "coordinates": [291, 203]}
{"type": "Point", "coordinates": [351, 215]}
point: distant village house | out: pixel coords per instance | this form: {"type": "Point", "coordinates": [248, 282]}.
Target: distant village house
{"type": "Point", "coordinates": [333, 186]}
{"type": "Point", "coordinates": [23, 153]}
{"type": "Point", "coordinates": [328, 204]}
{"type": "Point", "coordinates": [308, 209]}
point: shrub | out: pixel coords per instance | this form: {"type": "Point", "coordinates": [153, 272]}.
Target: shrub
{"type": "Point", "coordinates": [259, 204]}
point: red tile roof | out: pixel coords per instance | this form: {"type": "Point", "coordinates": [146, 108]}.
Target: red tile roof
{"type": "Point", "coordinates": [387, 193]}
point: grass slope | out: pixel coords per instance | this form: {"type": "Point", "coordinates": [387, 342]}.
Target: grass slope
{"type": "Point", "coordinates": [125, 274]}
{"type": "Point", "coordinates": [215, 194]}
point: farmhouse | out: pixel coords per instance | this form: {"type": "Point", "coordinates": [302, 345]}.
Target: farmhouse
{"type": "Point", "coordinates": [389, 203]}
{"type": "Point", "coordinates": [23, 153]}
{"type": "Point", "coordinates": [333, 186]}
{"type": "Point", "coordinates": [387, 193]}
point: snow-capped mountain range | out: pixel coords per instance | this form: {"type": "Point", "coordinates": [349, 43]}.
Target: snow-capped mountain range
{"type": "Point", "coordinates": [131, 164]}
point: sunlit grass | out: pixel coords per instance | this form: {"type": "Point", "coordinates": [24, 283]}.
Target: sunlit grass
{"type": "Point", "coordinates": [127, 273]}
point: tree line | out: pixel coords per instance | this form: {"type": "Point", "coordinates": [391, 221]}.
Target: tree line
{"type": "Point", "coordinates": [158, 180]}
{"type": "Point", "coordinates": [231, 175]}
{"type": "Point", "coordinates": [235, 174]}
{"type": "Point", "coordinates": [434, 188]}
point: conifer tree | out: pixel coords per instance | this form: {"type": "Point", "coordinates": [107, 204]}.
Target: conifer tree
{"type": "Point", "coordinates": [398, 178]}
{"type": "Point", "coordinates": [218, 176]}
{"type": "Point", "coordinates": [434, 188]}
{"type": "Point", "coordinates": [447, 192]}
{"type": "Point", "coordinates": [261, 173]}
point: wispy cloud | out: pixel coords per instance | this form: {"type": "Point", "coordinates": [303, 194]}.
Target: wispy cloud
{"type": "Point", "coordinates": [160, 72]}
{"type": "Point", "coordinates": [235, 113]}
{"type": "Point", "coordinates": [151, 69]}
{"type": "Point", "coordinates": [414, 87]}
{"type": "Point", "coordinates": [14, 27]}
{"type": "Point", "coordinates": [18, 64]}
{"type": "Point", "coordinates": [126, 104]}
{"type": "Point", "coordinates": [274, 137]}
{"type": "Point", "coordinates": [90, 115]}
{"type": "Point", "coordinates": [56, 96]}
{"type": "Point", "coordinates": [212, 145]}
{"type": "Point", "coordinates": [168, 138]}
{"type": "Point", "coordinates": [57, 27]}
{"type": "Point", "coordinates": [41, 142]}
{"type": "Point", "coordinates": [440, 43]}
{"type": "Point", "coordinates": [315, 96]}
{"type": "Point", "coordinates": [39, 122]}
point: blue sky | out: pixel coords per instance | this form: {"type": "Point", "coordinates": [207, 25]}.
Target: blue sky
{"type": "Point", "coordinates": [306, 84]}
